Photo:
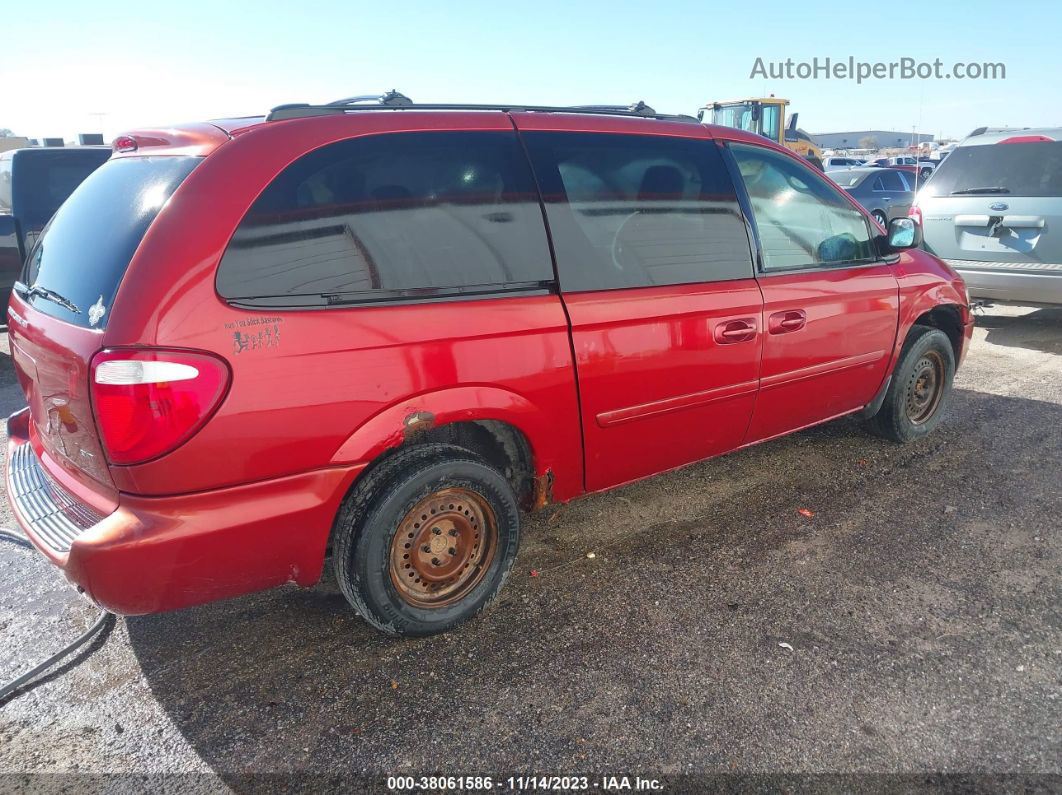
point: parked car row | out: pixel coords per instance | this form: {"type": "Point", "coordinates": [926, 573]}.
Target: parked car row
{"type": "Point", "coordinates": [992, 209]}
{"type": "Point", "coordinates": [886, 192]}
{"type": "Point", "coordinates": [440, 317]}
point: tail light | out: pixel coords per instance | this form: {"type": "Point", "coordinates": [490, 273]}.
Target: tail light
{"type": "Point", "coordinates": [916, 213]}
{"type": "Point", "coordinates": [149, 402]}
{"type": "Point", "coordinates": [125, 143]}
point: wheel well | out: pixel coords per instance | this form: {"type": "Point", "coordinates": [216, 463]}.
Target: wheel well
{"type": "Point", "coordinates": [502, 445]}
{"type": "Point", "coordinates": [948, 319]}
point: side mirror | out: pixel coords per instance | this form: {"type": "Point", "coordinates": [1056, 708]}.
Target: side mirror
{"type": "Point", "coordinates": [903, 233]}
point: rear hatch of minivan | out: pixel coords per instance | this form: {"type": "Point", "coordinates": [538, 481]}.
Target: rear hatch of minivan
{"type": "Point", "coordinates": [60, 307]}
{"type": "Point", "coordinates": [997, 206]}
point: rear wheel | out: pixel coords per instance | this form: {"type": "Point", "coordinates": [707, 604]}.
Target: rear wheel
{"type": "Point", "coordinates": [920, 387]}
{"type": "Point", "coordinates": [426, 540]}
{"type": "Point", "coordinates": [881, 218]}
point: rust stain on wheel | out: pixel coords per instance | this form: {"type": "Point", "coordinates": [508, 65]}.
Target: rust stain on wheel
{"type": "Point", "coordinates": [443, 548]}
{"type": "Point", "coordinates": [925, 387]}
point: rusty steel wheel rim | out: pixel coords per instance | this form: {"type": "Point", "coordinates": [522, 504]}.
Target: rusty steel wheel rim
{"type": "Point", "coordinates": [926, 388]}
{"type": "Point", "coordinates": [443, 548]}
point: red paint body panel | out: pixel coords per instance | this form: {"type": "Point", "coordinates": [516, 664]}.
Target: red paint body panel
{"type": "Point", "coordinates": [52, 360]}
{"type": "Point", "coordinates": [837, 359]}
{"type": "Point", "coordinates": [152, 554]}
{"type": "Point", "coordinates": [660, 377]}
{"type": "Point", "coordinates": [197, 140]}
{"type": "Point", "coordinates": [657, 390]}
{"type": "Point", "coordinates": [333, 371]}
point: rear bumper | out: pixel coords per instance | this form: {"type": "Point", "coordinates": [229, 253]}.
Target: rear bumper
{"type": "Point", "coordinates": [161, 553]}
{"type": "Point", "coordinates": [1032, 283]}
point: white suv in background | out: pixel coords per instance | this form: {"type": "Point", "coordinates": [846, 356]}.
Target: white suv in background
{"type": "Point", "coordinates": [993, 211]}
{"type": "Point", "coordinates": [832, 163]}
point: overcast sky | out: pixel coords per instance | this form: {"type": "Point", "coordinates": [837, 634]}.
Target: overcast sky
{"type": "Point", "coordinates": [63, 62]}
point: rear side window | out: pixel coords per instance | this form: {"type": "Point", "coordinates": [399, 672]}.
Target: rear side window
{"type": "Point", "coordinates": [392, 217]}
{"type": "Point", "coordinates": [1018, 169]}
{"type": "Point", "coordinates": [84, 251]}
{"type": "Point", "coordinates": [889, 181]}
{"type": "Point", "coordinates": [638, 210]}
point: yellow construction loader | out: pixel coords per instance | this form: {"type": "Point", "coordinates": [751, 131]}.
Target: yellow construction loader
{"type": "Point", "coordinates": [764, 116]}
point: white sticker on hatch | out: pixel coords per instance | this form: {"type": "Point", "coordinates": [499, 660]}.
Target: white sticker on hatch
{"type": "Point", "coordinates": [96, 312]}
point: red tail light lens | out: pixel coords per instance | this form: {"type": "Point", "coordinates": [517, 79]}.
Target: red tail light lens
{"type": "Point", "coordinates": [916, 213]}
{"type": "Point", "coordinates": [125, 143]}
{"type": "Point", "coordinates": [149, 402]}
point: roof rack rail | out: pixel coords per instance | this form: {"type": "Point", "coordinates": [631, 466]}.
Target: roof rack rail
{"type": "Point", "coordinates": [393, 100]}
{"type": "Point", "coordinates": [391, 97]}
{"type": "Point", "coordinates": [639, 108]}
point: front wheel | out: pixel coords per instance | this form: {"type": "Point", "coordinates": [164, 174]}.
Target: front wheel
{"type": "Point", "coordinates": [426, 540]}
{"type": "Point", "coordinates": [920, 387]}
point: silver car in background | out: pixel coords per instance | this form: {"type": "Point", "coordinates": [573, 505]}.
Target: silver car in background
{"type": "Point", "coordinates": [884, 192]}
{"type": "Point", "coordinates": [993, 211]}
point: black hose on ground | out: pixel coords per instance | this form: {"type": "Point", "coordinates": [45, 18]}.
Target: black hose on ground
{"type": "Point", "coordinates": [15, 538]}
{"type": "Point", "coordinates": [105, 618]}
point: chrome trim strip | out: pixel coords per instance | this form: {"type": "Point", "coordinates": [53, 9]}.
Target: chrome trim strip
{"type": "Point", "coordinates": [54, 516]}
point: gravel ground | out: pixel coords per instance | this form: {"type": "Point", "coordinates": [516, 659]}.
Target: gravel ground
{"type": "Point", "coordinates": [912, 624]}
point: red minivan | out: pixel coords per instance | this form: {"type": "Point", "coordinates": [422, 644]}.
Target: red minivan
{"type": "Point", "coordinates": [383, 331]}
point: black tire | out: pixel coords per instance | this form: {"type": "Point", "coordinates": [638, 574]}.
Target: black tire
{"type": "Point", "coordinates": [881, 218]}
{"type": "Point", "coordinates": [366, 549]}
{"type": "Point", "coordinates": [908, 412]}
{"type": "Point", "coordinates": [925, 174]}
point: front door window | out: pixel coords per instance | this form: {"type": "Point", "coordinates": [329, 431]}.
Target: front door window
{"type": "Point", "coordinates": [802, 221]}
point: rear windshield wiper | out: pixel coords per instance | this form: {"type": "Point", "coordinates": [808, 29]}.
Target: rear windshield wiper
{"type": "Point", "coordinates": [53, 296]}
{"type": "Point", "coordinates": [980, 190]}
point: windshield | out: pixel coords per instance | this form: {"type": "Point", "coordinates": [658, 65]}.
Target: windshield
{"type": "Point", "coordinates": [1018, 169]}
{"type": "Point", "coordinates": [740, 117]}
{"type": "Point", "coordinates": [78, 262]}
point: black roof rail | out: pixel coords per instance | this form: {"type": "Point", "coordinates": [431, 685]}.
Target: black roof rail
{"type": "Point", "coordinates": [393, 100]}
{"type": "Point", "coordinates": [978, 131]}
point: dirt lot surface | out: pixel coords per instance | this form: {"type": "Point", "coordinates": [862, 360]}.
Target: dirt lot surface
{"type": "Point", "coordinates": [913, 623]}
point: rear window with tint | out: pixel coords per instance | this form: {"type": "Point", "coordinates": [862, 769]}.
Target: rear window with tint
{"type": "Point", "coordinates": [389, 217]}
{"type": "Point", "coordinates": [889, 181]}
{"type": "Point", "coordinates": [85, 249]}
{"type": "Point", "coordinates": [1019, 169]}
{"type": "Point", "coordinates": [639, 210]}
